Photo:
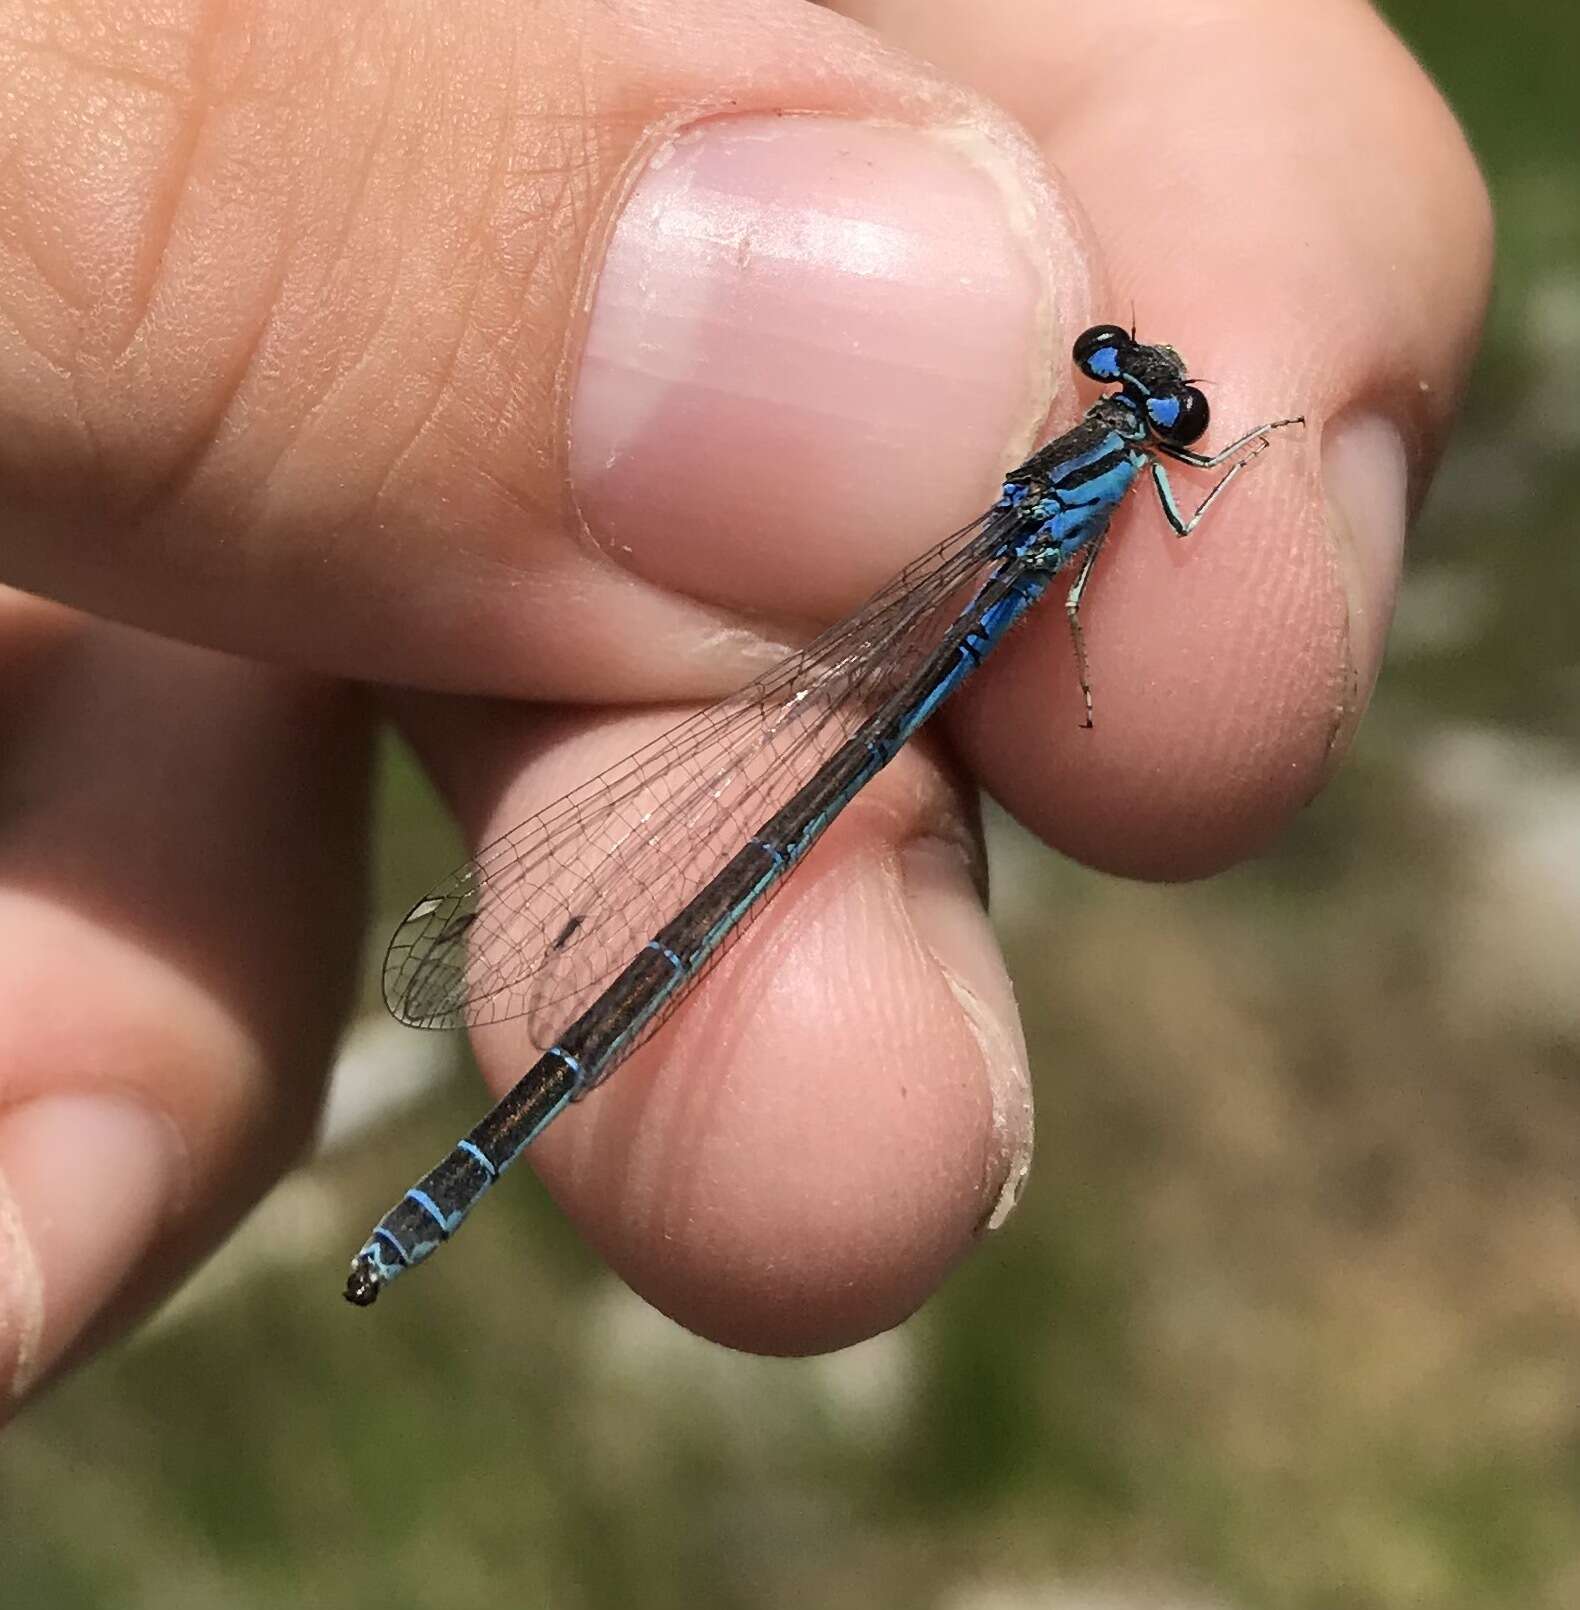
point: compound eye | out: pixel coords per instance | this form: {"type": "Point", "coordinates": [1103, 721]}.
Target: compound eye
{"type": "Point", "coordinates": [1098, 351]}
{"type": "Point", "coordinates": [1178, 417]}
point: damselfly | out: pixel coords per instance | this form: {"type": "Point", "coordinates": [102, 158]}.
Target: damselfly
{"type": "Point", "coordinates": [594, 917]}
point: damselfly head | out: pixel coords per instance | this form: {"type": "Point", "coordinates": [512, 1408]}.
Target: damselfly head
{"type": "Point", "coordinates": [1153, 381]}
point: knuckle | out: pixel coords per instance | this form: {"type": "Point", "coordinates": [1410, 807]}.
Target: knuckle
{"type": "Point", "coordinates": [276, 252]}
{"type": "Point", "coordinates": [137, 291]}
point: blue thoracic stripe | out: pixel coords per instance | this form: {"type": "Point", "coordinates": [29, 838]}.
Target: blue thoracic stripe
{"type": "Point", "coordinates": [1077, 463]}
{"type": "Point", "coordinates": [830, 721]}
{"type": "Point", "coordinates": [1094, 469]}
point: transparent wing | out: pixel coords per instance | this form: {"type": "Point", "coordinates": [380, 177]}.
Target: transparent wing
{"type": "Point", "coordinates": [547, 914]}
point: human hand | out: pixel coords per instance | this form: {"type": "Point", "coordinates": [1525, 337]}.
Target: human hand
{"type": "Point", "coordinates": [451, 349]}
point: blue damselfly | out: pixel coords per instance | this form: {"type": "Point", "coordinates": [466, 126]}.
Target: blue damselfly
{"type": "Point", "coordinates": [594, 917]}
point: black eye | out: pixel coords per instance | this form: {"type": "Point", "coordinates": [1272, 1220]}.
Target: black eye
{"type": "Point", "coordinates": [1098, 350]}
{"type": "Point", "coordinates": [1178, 417]}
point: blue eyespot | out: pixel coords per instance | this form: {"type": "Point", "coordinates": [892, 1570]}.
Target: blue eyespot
{"type": "Point", "coordinates": [1099, 352]}
{"type": "Point", "coordinates": [1163, 413]}
{"type": "Point", "coordinates": [1177, 416]}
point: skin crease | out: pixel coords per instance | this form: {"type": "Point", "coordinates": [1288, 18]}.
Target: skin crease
{"type": "Point", "coordinates": [291, 313]}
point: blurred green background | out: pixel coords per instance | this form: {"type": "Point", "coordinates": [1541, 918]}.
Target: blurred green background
{"type": "Point", "coordinates": [1289, 1317]}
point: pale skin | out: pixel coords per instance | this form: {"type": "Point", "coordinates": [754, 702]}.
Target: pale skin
{"type": "Point", "coordinates": [291, 338]}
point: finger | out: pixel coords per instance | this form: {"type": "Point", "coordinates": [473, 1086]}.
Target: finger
{"type": "Point", "coordinates": [1280, 192]}
{"type": "Point", "coordinates": [180, 896]}
{"type": "Point", "coordinates": [507, 348]}
{"type": "Point", "coordinates": [801, 1153]}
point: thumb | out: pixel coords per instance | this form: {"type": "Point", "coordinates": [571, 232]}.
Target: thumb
{"type": "Point", "coordinates": [446, 344]}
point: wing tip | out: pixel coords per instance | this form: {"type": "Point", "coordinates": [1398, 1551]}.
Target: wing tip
{"type": "Point", "coordinates": [423, 985]}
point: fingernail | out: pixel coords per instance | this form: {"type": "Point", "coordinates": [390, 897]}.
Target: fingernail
{"type": "Point", "coordinates": [1365, 481]}
{"type": "Point", "coordinates": [85, 1183]}
{"type": "Point", "coordinates": [812, 343]}
{"type": "Point", "coordinates": [946, 911]}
